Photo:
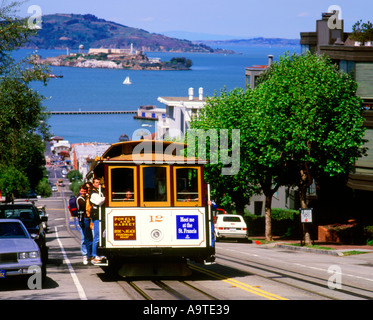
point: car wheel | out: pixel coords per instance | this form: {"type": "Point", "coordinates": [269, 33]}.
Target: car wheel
{"type": "Point", "coordinates": [44, 254]}
{"type": "Point", "coordinates": [43, 273]}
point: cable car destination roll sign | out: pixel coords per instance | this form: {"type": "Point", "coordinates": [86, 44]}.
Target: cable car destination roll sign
{"type": "Point", "coordinates": [125, 228]}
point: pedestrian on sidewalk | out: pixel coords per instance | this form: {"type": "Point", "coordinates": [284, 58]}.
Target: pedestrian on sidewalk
{"type": "Point", "coordinates": [97, 201]}
{"type": "Point", "coordinates": [84, 223]}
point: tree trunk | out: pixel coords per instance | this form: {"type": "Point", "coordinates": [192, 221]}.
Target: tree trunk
{"type": "Point", "coordinates": [268, 222]}
{"type": "Point", "coordinates": [303, 205]}
{"type": "Point", "coordinates": [306, 181]}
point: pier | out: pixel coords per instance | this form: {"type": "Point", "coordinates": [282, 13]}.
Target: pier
{"type": "Point", "coordinates": [90, 112]}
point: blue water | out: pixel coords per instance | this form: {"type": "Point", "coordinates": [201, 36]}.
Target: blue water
{"type": "Point", "coordinates": [102, 89]}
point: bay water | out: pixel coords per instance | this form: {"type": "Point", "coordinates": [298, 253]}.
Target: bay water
{"type": "Point", "coordinates": [88, 89]}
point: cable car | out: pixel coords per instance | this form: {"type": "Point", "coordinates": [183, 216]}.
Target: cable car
{"type": "Point", "coordinates": [156, 214]}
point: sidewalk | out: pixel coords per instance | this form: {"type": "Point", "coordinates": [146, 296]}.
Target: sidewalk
{"type": "Point", "coordinates": [338, 248]}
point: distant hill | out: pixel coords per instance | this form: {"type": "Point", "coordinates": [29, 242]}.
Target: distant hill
{"type": "Point", "coordinates": [61, 31]}
{"type": "Point", "coordinates": [251, 42]}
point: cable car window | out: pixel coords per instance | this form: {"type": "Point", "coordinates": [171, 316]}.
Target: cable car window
{"type": "Point", "coordinates": [122, 186]}
{"type": "Point", "coordinates": [188, 191]}
{"type": "Point", "coordinates": [154, 184]}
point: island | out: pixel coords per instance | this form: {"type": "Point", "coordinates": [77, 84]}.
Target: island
{"type": "Point", "coordinates": [115, 59]}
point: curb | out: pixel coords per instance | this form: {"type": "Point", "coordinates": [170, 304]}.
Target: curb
{"type": "Point", "coordinates": [336, 253]}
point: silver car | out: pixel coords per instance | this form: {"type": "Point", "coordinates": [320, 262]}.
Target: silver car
{"type": "Point", "coordinates": [19, 253]}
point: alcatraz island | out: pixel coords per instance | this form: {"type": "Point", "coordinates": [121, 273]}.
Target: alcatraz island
{"type": "Point", "coordinates": [115, 59]}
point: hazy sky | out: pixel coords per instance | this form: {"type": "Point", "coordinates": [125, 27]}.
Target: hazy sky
{"type": "Point", "coordinates": [238, 18]}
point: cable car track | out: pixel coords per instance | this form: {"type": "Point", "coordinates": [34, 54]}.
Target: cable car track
{"type": "Point", "coordinates": [308, 283]}
{"type": "Point", "coordinates": [164, 290]}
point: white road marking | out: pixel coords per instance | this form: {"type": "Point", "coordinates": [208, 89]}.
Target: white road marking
{"type": "Point", "coordinates": [78, 286]}
{"type": "Point", "coordinates": [300, 265]}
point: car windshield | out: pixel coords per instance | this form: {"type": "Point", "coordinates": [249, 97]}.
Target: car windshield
{"type": "Point", "coordinates": [12, 230]}
{"type": "Point", "coordinates": [231, 219]}
{"type": "Point", "coordinates": [23, 214]}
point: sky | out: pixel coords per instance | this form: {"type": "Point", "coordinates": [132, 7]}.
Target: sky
{"type": "Point", "coordinates": [231, 18]}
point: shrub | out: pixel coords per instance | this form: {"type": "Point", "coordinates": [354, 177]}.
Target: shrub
{"type": "Point", "coordinates": [43, 188]}
{"type": "Point", "coordinates": [285, 223]}
{"type": "Point", "coordinates": [368, 233]}
{"type": "Point", "coordinates": [350, 233]}
{"type": "Point", "coordinates": [74, 175]}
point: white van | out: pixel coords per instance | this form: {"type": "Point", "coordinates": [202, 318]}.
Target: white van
{"type": "Point", "coordinates": [230, 226]}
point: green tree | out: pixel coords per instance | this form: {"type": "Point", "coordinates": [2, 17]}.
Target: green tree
{"type": "Point", "coordinates": [309, 122]}
{"type": "Point", "coordinates": [226, 112]}
{"type": "Point", "coordinates": [302, 123]}
{"type": "Point", "coordinates": [23, 123]}
{"type": "Point", "coordinates": [43, 188]}
{"type": "Point", "coordinates": [362, 31]}
{"type": "Point", "coordinates": [74, 175]}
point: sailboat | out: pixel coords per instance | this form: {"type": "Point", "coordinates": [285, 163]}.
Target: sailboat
{"type": "Point", "coordinates": [127, 81]}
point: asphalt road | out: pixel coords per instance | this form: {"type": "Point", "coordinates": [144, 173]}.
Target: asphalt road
{"type": "Point", "coordinates": [243, 271]}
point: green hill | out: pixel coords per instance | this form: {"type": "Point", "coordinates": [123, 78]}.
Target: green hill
{"type": "Point", "coordinates": [61, 31]}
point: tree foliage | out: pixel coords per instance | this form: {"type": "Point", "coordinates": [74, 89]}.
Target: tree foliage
{"type": "Point", "coordinates": [362, 31]}
{"type": "Point", "coordinates": [301, 123]}
{"type": "Point", "coordinates": [226, 112]}
{"type": "Point", "coordinates": [23, 123]}
{"type": "Point", "coordinates": [310, 120]}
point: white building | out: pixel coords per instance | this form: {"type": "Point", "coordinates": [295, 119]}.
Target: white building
{"type": "Point", "coordinates": [150, 113]}
{"type": "Point", "coordinates": [179, 112]}
{"type": "Point", "coordinates": [61, 147]}
{"type": "Point", "coordinates": [82, 155]}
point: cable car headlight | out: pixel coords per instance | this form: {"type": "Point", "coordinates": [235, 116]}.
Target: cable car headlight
{"type": "Point", "coordinates": [156, 234]}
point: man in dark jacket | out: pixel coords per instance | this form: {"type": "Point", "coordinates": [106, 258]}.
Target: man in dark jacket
{"type": "Point", "coordinates": [84, 222]}
{"type": "Point", "coordinates": [97, 200]}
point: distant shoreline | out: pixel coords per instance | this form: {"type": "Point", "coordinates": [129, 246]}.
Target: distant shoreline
{"type": "Point", "coordinates": [138, 61]}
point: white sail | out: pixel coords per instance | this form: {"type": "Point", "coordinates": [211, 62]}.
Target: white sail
{"type": "Point", "coordinates": [127, 81]}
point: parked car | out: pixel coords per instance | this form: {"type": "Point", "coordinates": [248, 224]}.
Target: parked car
{"type": "Point", "coordinates": [43, 216]}
{"type": "Point", "coordinates": [218, 211]}
{"type": "Point", "coordinates": [29, 215]}
{"type": "Point", "coordinates": [230, 226]}
{"type": "Point", "coordinates": [18, 251]}
{"type": "Point", "coordinates": [31, 194]}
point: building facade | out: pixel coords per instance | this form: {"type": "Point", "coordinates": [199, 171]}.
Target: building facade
{"type": "Point", "coordinates": [82, 155]}
{"type": "Point", "coordinates": [179, 112]}
{"type": "Point", "coordinates": [252, 73]}
{"type": "Point", "coordinates": [355, 59]}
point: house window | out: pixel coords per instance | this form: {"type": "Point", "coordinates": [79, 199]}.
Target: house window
{"type": "Point", "coordinates": [347, 67]}
{"type": "Point", "coordinates": [258, 207]}
{"type": "Point", "coordinates": [364, 77]}
{"type": "Point", "coordinates": [170, 112]}
{"type": "Point", "coordinates": [364, 165]}
{"type": "Point", "coordinates": [182, 128]}
{"type": "Point", "coordinates": [256, 80]}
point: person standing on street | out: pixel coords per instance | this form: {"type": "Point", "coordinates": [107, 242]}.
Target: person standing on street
{"type": "Point", "coordinates": [97, 201]}
{"type": "Point", "coordinates": [84, 222]}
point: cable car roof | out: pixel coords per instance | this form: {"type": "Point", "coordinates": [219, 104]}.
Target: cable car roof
{"type": "Point", "coordinates": [154, 146]}
{"type": "Point", "coordinates": [146, 151]}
